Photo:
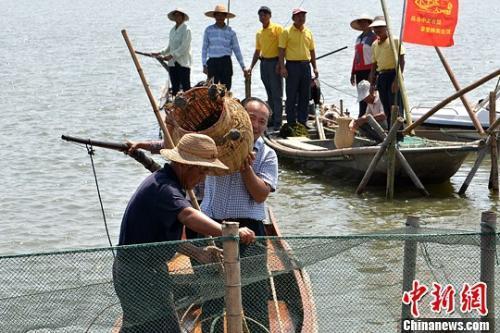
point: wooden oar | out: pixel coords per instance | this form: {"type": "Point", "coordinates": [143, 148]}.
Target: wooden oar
{"type": "Point", "coordinates": [161, 61]}
{"type": "Point", "coordinates": [330, 53]}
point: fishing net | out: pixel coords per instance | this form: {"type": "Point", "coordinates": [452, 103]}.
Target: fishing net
{"type": "Point", "coordinates": [290, 284]}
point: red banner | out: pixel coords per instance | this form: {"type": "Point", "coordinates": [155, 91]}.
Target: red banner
{"type": "Point", "coordinates": [430, 22]}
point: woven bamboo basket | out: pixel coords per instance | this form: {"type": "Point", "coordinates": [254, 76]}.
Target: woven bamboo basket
{"type": "Point", "coordinates": [209, 111]}
{"type": "Point", "coordinates": [344, 138]}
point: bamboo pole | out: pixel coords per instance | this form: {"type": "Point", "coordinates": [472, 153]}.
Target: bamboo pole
{"type": "Point", "coordinates": [447, 100]}
{"type": "Point", "coordinates": [391, 158]}
{"type": "Point", "coordinates": [167, 139]}
{"type": "Point", "coordinates": [232, 278]}
{"type": "Point", "coordinates": [488, 256]}
{"type": "Point", "coordinates": [402, 160]}
{"type": "Point", "coordinates": [409, 263]}
{"type": "Point", "coordinates": [402, 87]}
{"type": "Point", "coordinates": [493, 182]}
{"type": "Point", "coordinates": [472, 115]}
{"type": "Point", "coordinates": [319, 123]}
{"type": "Point", "coordinates": [380, 152]}
{"type": "Point", "coordinates": [248, 86]}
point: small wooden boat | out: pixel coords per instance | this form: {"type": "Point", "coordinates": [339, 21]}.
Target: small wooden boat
{"type": "Point", "coordinates": [432, 161]}
{"type": "Point", "coordinates": [291, 306]}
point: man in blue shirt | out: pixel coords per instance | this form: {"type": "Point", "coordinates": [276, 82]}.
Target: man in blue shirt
{"type": "Point", "coordinates": [156, 213]}
{"type": "Point", "coordinates": [219, 42]}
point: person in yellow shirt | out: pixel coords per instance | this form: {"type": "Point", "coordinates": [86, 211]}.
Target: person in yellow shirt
{"type": "Point", "coordinates": [266, 49]}
{"type": "Point", "coordinates": [383, 71]}
{"type": "Point", "coordinates": [296, 45]}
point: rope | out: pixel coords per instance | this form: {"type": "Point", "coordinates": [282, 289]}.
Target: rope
{"type": "Point", "coordinates": [335, 88]}
{"type": "Point", "coordinates": [90, 151]}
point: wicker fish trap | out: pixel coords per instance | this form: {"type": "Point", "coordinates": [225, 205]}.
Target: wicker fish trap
{"type": "Point", "coordinates": [344, 138]}
{"type": "Point", "coordinates": [209, 111]}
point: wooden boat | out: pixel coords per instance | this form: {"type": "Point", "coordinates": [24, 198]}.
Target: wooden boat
{"type": "Point", "coordinates": [291, 307]}
{"type": "Point", "coordinates": [432, 161]}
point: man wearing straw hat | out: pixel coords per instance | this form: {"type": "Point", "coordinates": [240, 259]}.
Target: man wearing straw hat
{"type": "Point", "coordinates": [383, 71]}
{"type": "Point", "coordinates": [156, 213]}
{"type": "Point", "coordinates": [219, 42]}
{"type": "Point", "coordinates": [178, 51]}
{"type": "Point", "coordinates": [362, 62]}
{"type": "Point", "coordinates": [296, 45]}
{"type": "Point", "coordinates": [266, 49]}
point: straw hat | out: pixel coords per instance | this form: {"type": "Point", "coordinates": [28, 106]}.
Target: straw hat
{"type": "Point", "coordinates": [195, 149]}
{"type": "Point", "coordinates": [378, 21]}
{"type": "Point", "coordinates": [171, 16]}
{"type": "Point", "coordinates": [220, 9]}
{"type": "Point", "coordinates": [363, 90]}
{"type": "Point", "coordinates": [355, 24]}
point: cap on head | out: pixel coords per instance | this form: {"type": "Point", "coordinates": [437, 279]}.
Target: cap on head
{"type": "Point", "coordinates": [378, 21]}
{"type": "Point", "coordinates": [298, 11]}
{"type": "Point", "coordinates": [264, 9]}
{"type": "Point", "coordinates": [195, 149]}
{"type": "Point", "coordinates": [363, 90]}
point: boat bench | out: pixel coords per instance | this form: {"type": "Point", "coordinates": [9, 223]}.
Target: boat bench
{"type": "Point", "coordinates": [300, 142]}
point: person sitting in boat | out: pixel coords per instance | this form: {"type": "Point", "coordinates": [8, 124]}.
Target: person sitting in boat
{"type": "Point", "coordinates": [156, 213]}
{"type": "Point", "coordinates": [178, 52]}
{"type": "Point", "coordinates": [374, 107]}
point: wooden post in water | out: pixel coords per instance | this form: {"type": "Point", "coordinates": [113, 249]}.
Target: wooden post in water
{"type": "Point", "coordinates": [488, 256]}
{"type": "Point", "coordinates": [409, 263]}
{"type": "Point", "coordinates": [232, 278]}
{"type": "Point", "coordinates": [493, 183]}
{"type": "Point", "coordinates": [391, 158]}
{"type": "Point", "coordinates": [373, 164]}
{"type": "Point", "coordinates": [472, 115]}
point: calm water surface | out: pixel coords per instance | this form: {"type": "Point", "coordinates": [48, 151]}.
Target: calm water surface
{"type": "Point", "coordinates": [65, 69]}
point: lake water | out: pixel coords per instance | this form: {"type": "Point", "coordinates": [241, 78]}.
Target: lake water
{"type": "Point", "coordinates": [65, 69]}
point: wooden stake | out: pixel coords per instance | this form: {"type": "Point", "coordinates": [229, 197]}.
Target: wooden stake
{"type": "Point", "coordinates": [232, 278]}
{"type": "Point", "coordinates": [248, 86]}
{"type": "Point", "coordinates": [493, 183]}
{"type": "Point", "coordinates": [488, 256]}
{"type": "Point", "coordinates": [380, 152]}
{"type": "Point", "coordinates": [167, 139]}
{"type": "Point", "coordinates": [447, 100]}
{"type": "Point", "coordinates": [409, 263]}
{"type": "Point", "coordinates": [399, 155]}
{"type": "Point", "coordinates": [391, 158]}
{"type": "Point", "coordinates": [472, 115]}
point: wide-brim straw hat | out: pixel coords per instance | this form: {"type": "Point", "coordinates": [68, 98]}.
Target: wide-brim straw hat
{"type": "Point", "coordinates": [220, 9]}
{"type": "Point", "coordinates": [355, 24]}
{"type": "Point", "coordinates": [378, 21]}
{"type": "Point", "coordinates": [171, 16]}
{"type": "Point", "coordinates": [195, 149]}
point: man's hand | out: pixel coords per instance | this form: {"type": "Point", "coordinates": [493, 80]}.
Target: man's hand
{"type": "Point", "coordinates": [395, 86]}
{"type": "Point", "coordinates": [353, 80]}
{"type": "Point", "coordinates": [283, 72]}
{"type": "Point", "coordinates": [248, 162]}
{"type": "Point", "coordinates": [132, 146]}
{"type": "Point", "coordinates": [205, 70]}
{"type": "Point", "coordinates": [353, 126]}
{"type": "Point", "coordinates": [247, 72]}
{"type": "Point", "coordinates": [247, 236]}
{"type": "Point", "coordinates": [316, 73]}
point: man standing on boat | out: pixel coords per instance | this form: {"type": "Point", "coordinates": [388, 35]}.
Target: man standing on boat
{"type": "Point", "coordinates": [383, 72]}
{"type": "Point", "coordinates": [219, 42]}
{"type": "Point", "coordinates": [266, 49]}
{"type": "Point", "coordinates": [362, 62]}
{"type": "Point", "coordinates": [178, 52]}
{"type": "Point", "coordinates": [296, 45]}
{"type": "Point", "coordinates": [156, 213]}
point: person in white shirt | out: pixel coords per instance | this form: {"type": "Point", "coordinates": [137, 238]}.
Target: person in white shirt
{"type": "Point", "coordinates": [374, 107]}
{"type": "Point", "coordinates": [178, 52]}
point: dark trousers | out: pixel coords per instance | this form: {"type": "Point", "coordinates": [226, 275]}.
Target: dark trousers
{"type": "Point", "coordinates": [384, 87]}
{"type": "Point", "coordinates": [221, 70]}
{"type": "Point", "coordinates": [273, 82]}
{"type": "Point", "coordinates": [360, 76]}
{"type": "Point", "coordinates": [255, 295]}
{"type": "Point", "coordinates": [179, 76]}
{"type": "Point", "coordinates": [144, 289]}
{"type": "Point", "coordinates": [298, 90]}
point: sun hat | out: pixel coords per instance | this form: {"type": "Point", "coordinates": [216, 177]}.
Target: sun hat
{"type": "Point", "coordinates": [171, 16]}
{"type": "Point", "coordinates": [195, 149]}
{"type": "Point", "coordinates": [355, 24]}
{"type": "Point", "coordinates": [378, 21]}
{"type": "Point", "coordinates": [298, 11]}
{"type": "Point", "coordinates": [264, 9]}
{"type": "Point", "coordinates": [363, 90]}
{"type": "Point", "coordinates": [219, 9]}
